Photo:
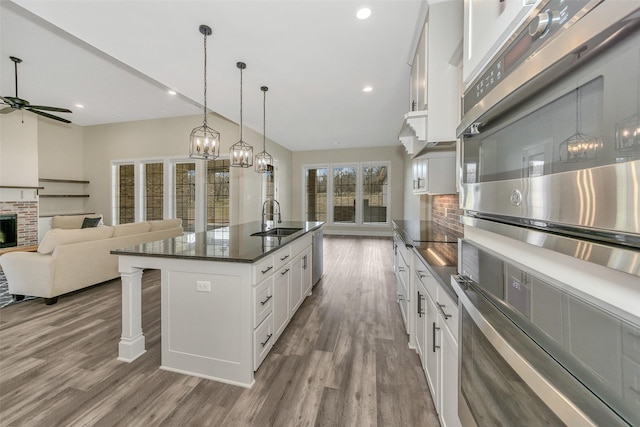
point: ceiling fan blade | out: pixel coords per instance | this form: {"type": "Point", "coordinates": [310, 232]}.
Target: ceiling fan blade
{"type": "Point", "coordinates": [45, 108]}
{"type": "Point", "coordinates": [7, 110]}
{"type": "Point", "coordinates": [51, 116]}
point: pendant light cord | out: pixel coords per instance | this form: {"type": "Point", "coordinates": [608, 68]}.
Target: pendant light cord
{"type": "Point", "coordinates": [205, 80]}
{"type": "Point", "coordinates": [241, 68]}
{"type": "Point", "coordinates": [264, 121]}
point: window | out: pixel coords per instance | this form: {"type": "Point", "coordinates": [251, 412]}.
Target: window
{"type": "Point", "coordinates": [185, 194]}
{"type": "Point", "coordinates": [374, 194]}
{"type": "Point", "coordinates": [154, 191]}
{"type": "Point", "coordinates": [126, 194]}
{"type": "Point", "coordinates": [316, 194]}
{"type": "Point", "coordinates": [217, 193]}
{"type": "Point", "coordinates": [344, 194]}
{"type": "Point", "coordinates": [359, 193]}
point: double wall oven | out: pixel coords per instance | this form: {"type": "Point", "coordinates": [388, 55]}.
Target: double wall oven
{"type": "Point", "coordinates": [550, 161]}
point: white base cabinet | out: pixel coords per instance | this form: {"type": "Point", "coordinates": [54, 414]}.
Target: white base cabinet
{"type": "Point", "coordinates": [219, 319]}
{"type": "Point", "coordinates": [436, 340]}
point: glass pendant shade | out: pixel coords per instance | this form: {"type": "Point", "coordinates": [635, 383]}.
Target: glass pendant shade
{"type": "Point", "coordinates": [204, 142]}
{"type": "Point", "coordinates": [241, 153]}
{"type": "Point", "coordinates": [264, 159]}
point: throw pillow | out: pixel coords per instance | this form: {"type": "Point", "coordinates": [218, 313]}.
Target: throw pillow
{"type": "Point", "coordinates": [90, 222]}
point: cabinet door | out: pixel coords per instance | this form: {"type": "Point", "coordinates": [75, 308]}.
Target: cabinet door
{"type": "Point", "coordinates": [421, 322]}
{"type": "Point", "coordinates": [307, 268]}
{"type": "Point", "coordinates": [432, 351]}
{"type": "Point", "coordinates": [449, 392]}
{"type": "Point", "coordinates": [487, 25]}
{"type": "Point", "coordinates": [280, 300]}
{"type": "Point", "coordinates": [295, 285]}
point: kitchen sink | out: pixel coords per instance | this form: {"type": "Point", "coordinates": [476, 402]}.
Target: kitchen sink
{"type": "Point", "coordinates": [277, 232]}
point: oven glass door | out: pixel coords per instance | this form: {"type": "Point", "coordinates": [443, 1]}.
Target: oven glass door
{"type": "Point", "coordinates": [494, 393]}
{"type": "Point", "coordinates": [590, 118]}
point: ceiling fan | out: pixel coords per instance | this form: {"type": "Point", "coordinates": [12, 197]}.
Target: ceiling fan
{"type": "Point", "coordinates": [15, 103]}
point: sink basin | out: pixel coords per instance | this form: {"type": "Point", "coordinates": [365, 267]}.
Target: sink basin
{"type": "Point", "coordinates": [277, 232]}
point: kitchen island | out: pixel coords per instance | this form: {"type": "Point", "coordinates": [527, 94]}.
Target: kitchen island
{"type": "Point", "coordinates": [226, 296]}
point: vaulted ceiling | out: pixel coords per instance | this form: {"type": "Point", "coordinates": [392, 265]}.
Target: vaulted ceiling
{"type": "Point", "coordinates": [119, 59]}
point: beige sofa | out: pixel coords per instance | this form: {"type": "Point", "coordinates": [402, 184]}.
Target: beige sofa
{"type": "Point", "coordinates": [70, 258]}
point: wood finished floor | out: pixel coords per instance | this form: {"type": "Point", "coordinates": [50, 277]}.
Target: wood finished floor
{"type": "Point", "coordinates": [342, 361]}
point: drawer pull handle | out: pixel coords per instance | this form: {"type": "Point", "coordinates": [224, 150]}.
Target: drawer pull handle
{"type": "Point", "coordinates": [268, 268]}
{"type": "Point", "coordinates": [435, 328]}
{"type": "Point", "coordinates": [267, 340]}
{"type": "Point", "coordinates": [441, 307]}
{"type": "Point", "coordinates": [284, 257]}
{"type": "Point", "coordinates": [285, 272]}
{"type": "Point", "coordinates": [420, 307]}
{"type": "Point", "coordinates": [421, 274]}
{"type": "Point", "coordinates": [401, 269]}
{"type": "Point", "coordinates": [267, 300]}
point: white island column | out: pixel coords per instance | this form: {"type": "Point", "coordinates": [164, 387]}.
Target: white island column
{"type": "Point", "coordinates": [132, 343]}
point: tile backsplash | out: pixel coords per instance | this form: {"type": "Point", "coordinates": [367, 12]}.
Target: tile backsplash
{"type": "Point", "coordinates": [445, 211]}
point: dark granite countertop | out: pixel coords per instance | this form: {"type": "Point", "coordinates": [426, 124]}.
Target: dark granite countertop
{"type": "Point", "coordinates": [231, 244]}
{"type": "Point", "coordinates": [436, 245]}
{"type": "Point", "coordinates": [413, 231]}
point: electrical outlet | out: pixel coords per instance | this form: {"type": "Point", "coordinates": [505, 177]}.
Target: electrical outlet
{"type": "Point", "coordinates": [202, 286]}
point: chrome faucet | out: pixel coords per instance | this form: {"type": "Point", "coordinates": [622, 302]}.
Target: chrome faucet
{"type": "Point", "coordinates": [264, 213]}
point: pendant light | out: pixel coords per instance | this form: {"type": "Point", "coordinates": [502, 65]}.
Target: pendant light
{"type": "Point", "coordinates": [204, 142]}
{"type": "Point", "coordinates": [264, 159]}
{"type": "Point", "coordinates": [241, 153]}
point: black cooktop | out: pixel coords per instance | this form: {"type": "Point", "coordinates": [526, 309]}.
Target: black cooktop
{"type": "Point", "coordinates": [414, 231]}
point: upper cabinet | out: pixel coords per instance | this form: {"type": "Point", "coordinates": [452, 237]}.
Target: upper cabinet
{"type": "Point", "coordinates": [433, 105]}
{"type": "Point", "coordinates": [487, 26]}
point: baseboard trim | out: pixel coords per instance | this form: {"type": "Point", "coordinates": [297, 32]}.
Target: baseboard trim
{"type": "Point", "coordinates": [364, 233]}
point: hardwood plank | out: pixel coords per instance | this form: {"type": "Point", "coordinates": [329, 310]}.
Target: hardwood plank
{"type": "Point", "coordinates": [343, 360]}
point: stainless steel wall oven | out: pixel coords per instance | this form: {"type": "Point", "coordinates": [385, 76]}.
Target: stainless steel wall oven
{"type": "Point", "coordinates": [534, 353]}
{"type": "Point", "coordinates": [550, 157]}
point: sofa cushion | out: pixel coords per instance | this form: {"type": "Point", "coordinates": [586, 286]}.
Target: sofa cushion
{"type": "Point", "coordinates": [71, 221]}
{"type": "Point", "coordinates": [165, 224]}
{"type": "Point", "coordinates": [60, 236]}
{"type": "Point", "coordinates": [131, 228]}
{"type": "Point", "coordinates": [90, 222]}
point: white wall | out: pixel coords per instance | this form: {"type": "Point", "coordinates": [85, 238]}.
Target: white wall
{"type": "Point", "coordinates": [19, 149]}
{"type": "Point", "coordinates": [393, 154]}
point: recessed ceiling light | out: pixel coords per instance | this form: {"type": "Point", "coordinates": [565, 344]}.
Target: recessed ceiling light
{"type": "Point", "coordinates": [367, 89]}
{"type": "Point", "coordinates": [363, 13]}
{"type": "Point", "coordinates": [172, 92]}
{"type": "Point", "coordinates": [79, 105]}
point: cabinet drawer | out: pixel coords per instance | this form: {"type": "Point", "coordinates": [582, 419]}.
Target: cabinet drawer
{"type": "Point", "coordinates": [282, 257]}
{"type": "Point", "coordinates": [262, 301]}
{"type": "Point", "coordinates": [299, 245]}
{"type": "Point", "coordinates": [449, 311]}
{"type": "Point", "coordinates": [262, 341]}
{"type": "Point", "coordinates": [429, 282]}
{"type": "Point", "coordinates": [263, 269]}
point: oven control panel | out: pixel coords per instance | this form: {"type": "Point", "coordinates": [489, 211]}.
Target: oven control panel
{"type": "Point", "coordinates": [539, 28]}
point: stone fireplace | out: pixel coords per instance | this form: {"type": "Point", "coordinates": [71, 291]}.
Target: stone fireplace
{"type": "Point", "coordinates": [23, 202]}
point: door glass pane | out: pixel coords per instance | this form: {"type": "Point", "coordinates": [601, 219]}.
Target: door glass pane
{"type": "Point", "coordinates": [316, 194]}
{"type": "Point", "coordinates": [344, 194]}
{"type": "Point", "coordinates": [374, 194]}
{"type": "Point", "coordinates": [217, 193]}
{"type": "Point", "coordinates": [126, 194]}
{"type": "Point", "coordinates": [185, 192]}
{"type": "Point", "coordinates": [154, 190]}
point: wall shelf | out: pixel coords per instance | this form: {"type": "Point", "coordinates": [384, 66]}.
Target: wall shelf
{"type": "Point", "coordinates": [66, 181]}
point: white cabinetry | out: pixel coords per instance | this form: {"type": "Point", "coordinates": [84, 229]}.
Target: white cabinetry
{"type": "Point", "coordinates": [434, 96]}
{"type": "Point", "coordinates": [487, 26]}
{"type": "Point", "coordinates": [435, 173]}
{"type": "Point", "coordinates": [437, 342]}
{"type": "Point", "coordinates": [402, 279]}
{"type": "Point", "coordinates": [281, 300]}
